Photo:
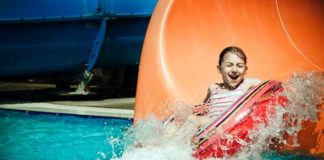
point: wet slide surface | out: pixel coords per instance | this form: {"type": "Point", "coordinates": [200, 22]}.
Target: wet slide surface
{"type": "Point", "coordinates": [184, 39]}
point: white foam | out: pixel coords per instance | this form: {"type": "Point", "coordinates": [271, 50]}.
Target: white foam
{"type": "Point", "coordinates": [303, 91]}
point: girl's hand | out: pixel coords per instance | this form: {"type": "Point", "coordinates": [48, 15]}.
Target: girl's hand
{"type": "Point", "coordinates": [200, 109]}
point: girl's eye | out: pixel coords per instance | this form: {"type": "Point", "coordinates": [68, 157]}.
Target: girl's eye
{"type": "Point", "coordinates": [229, 65]}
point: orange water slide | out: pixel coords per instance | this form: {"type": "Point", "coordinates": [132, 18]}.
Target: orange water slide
{"type": "Point", "coordinates": [185, 37]}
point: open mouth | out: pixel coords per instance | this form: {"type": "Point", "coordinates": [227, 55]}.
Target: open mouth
{"type": "Point", "coordinates": [234, 76]}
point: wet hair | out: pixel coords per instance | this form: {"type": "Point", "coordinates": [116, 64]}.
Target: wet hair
{"type": "Point", "coordinates": [232, 49]}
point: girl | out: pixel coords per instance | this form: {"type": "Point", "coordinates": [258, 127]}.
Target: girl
{"type": "Point", "coordinates": [232, 66]}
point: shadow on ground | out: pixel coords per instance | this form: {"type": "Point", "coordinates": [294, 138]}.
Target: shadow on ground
{"type": "Point", "coordinates": [16, 92]}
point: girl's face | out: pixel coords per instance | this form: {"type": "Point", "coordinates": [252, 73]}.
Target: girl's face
{"type": "Point", "coordinates": [233, 69]}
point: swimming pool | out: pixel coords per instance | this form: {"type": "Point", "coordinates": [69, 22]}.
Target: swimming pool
{"type": "Point", "coordinates": [38, 136]}
{"type": "Point", "coordinates": [32, 135]}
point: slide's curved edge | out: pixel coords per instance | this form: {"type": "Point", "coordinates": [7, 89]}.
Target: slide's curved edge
{"type": "Point", "coordinates": [183, 40]}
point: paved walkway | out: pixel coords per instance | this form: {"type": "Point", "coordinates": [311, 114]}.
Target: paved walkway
{"type": "Point", "coordinates": [45, 98]}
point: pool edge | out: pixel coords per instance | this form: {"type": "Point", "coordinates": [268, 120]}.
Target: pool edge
{"type": "Point", "coordinates": [69, 109]}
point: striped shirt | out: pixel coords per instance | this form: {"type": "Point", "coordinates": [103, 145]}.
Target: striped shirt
{"type": "Point", "coordinates": [220, 102]}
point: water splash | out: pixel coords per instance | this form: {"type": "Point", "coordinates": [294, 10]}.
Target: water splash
{"type": "Point", "coordinates": [148, 140]}
{"type": "Point", "coordinates": [304, 92]}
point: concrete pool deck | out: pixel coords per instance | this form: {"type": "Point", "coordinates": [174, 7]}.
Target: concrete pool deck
{"type": "Point", "coordinates": [45, 98]}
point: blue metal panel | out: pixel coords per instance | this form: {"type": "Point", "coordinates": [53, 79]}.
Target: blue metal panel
{"type": "Point", "coordinates": [50, 36]}
{"type": "Point", "coordinates": [45, 10]}
{"type": "Point", "coordinates": [45, 48]}
{"type": "Point", "coordinates": [129, 7]}
{"type": "Point", "coordinates": [124, 41]}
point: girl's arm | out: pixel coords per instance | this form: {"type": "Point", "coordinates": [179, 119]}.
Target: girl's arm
{"type": "Point", "coordinates": [202, 109]}
{"type": "Point", "coordinates": [207, 96]}
{"type": "Point", "coordinates": [210, 89]}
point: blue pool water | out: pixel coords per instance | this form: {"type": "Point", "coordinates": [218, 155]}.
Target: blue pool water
{"type": "Point", "coordinates": [41, 136]}
{"type": "Point", "coordinates": [38, 136]}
